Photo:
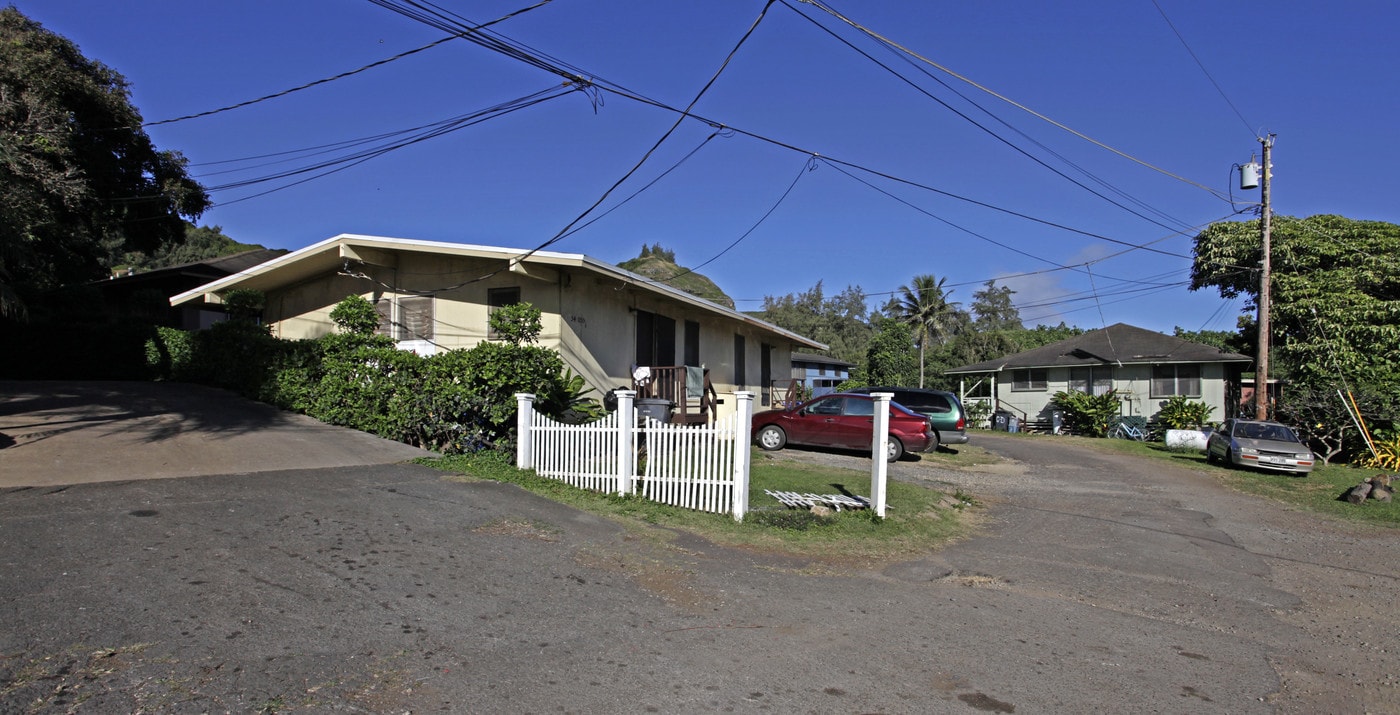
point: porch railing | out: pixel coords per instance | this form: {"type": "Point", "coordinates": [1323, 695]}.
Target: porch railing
{"type": "Point", "coordinates": [688, 387]}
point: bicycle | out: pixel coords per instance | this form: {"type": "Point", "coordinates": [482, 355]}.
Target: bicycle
{"type": "Point", "coordinates": [1129, 429]}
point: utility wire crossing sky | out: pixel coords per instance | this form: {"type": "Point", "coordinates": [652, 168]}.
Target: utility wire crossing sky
{"type": "Point", "coordinates": [1070, 153]}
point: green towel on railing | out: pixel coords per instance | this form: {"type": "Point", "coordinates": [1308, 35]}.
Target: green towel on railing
{"type": "Point", "coordinates": [694, 382]}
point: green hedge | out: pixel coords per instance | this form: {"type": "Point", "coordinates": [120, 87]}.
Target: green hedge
{"type": "Point", "coordinates": [452, 402]}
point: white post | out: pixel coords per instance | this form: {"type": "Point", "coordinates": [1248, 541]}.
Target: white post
{"type": "Point", "coordinates": [743, 428]}
{"type": "Point", "coordinates": [626, 428]}
{"type": "Point", "coordinates": [879, 448]}
{"type": "Point", "coordinates": [524, 438]}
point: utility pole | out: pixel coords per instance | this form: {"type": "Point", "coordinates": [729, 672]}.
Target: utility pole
{"type": "Point", "coordinates": [1261, 367]}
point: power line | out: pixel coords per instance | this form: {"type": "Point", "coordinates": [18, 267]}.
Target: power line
{"type": "Point", "coordinates": [884, 40]}
{"type": "Point", "coordinates": [1202, 65]}
{"type": "Point", "coordinates": [439, 15]}
{"type": "Point", "coordinates": [343, 75]}
{"type": "Point", "coordinates": [997, 136]}
{"type": "Point", "coordinates": [431, 131]}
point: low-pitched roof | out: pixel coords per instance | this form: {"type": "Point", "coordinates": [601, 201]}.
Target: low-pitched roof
{"type": "Point", "coordinates": [329, 255]}
{"type": "Point", "coordinates": [1118, 344]}
{"type": "Point", "coordinates": [820, 359]}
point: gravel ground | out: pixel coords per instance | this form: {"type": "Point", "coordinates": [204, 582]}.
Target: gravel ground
{"type": "Point", "coordinates": [1096, 583]}
{"type": "Point", "coordinates": [1328, 588]}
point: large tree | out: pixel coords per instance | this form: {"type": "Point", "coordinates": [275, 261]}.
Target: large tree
{"type": "Point", "coordinates": [924, 305]}
{"type": "Point", "coordinates": [992, 308]}
{"type": "Point", "coordinates": [841, 321]}
{"type": "Point", "coordinates": [889, 357]}
{"type": "Point", "coordinates": [1335, 296]}
{"type": "Point", "coordinates": [79, 178]}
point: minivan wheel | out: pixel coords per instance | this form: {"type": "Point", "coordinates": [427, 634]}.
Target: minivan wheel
{"type": "Point", "coordinates": [935, 443]}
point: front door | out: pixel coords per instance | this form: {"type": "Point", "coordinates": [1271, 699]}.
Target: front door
{"type": "Point", "coordinates": [656, 340]}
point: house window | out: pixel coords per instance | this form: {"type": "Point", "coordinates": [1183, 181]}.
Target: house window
{"type": "Point", "coordinates": [1028, 379]}
{"type": "Point", "coordinates": [405, 317]}
{"type": "Point", "coordinates": [741, 377]}
{"type": "Point", "coordinates": [1091, 380]}
{"type": "Point", "coordinates": [384, 308]}
{"type": "Point", "coordinates": [1173, 380]}
{"type": "Point", "coordinates": [497, 298]}
{"type": "Point", "coordinates": [415, 317]}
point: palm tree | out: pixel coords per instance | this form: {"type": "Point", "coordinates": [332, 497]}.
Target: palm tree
{"type": "Point", "coordinates": [924, 306]}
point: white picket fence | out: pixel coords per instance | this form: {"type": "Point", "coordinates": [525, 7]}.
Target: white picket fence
{"type": "Point", "coordinates": [701, 467]}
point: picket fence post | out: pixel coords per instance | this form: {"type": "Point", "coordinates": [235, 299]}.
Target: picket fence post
{"type": "Point", "coordinates": [626, 432]}
{"type": "Point", "coordinates": [879, 448]}
{"type": "Point", "coordinates": [743, 427]}
{"type": "Point", "coordinates": [524, 437]}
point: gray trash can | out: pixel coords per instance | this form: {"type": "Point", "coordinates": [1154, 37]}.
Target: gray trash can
{"type": "Point", "coordinates": [1001, 421]}
{"type": "Point", "coordinates": [655, 408]}
{"type": "Point", "coordinates": [1013, 423]}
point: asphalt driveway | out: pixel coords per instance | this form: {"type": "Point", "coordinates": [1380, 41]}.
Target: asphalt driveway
{"type": "Point", "coordinates": [1098, 583]}
{"type": "Point", "coordinates": [54, 433]}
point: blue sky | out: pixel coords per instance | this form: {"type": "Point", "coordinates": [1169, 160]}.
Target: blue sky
{"type": "Point", "coordinates": [841, 170]}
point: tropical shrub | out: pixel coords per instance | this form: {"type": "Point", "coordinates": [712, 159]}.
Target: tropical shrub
{"type": "Point", "coordinates": [516, 324]}
{"type": "Point", "coordinates": [1088, 414]}
{"type": "Point", "coordinates": [1179, 412]}
{"type": "Point", "coordinates": [979, 412]}
{"type": "Point", "coordinates": [1387, 454]}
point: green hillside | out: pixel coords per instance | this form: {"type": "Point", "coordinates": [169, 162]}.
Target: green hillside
{"type": "Point", "coordinates": [659, 265]}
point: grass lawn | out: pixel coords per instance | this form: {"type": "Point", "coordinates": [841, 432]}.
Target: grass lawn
{"type": "Point", "coordinates": [918, 519]}
{"type": "Point", "coordinates": [1318, 492]}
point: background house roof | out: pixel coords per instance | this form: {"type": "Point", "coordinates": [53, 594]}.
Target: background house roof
{"type": "Point", "coordinates": [1118, 344]}
{"type": "Point", "coordinates": [820, 359]}
{"type": "Point", "coordinates": [207, 269]}
{"type": "Point", "coordinates": [335, 253]}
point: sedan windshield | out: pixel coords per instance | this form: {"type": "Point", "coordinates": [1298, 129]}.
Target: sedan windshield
{"type": "Point", "coordinates": [1276, 433]}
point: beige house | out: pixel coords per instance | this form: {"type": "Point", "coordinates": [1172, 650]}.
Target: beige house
{"type": "Point", "coordinates": [604, 321]}
{"type": "Point", "coordinates": [1146, 368]}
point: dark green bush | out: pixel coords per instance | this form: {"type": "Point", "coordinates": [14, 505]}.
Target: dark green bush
{"type": "Point", "coordinates": [295, 375]}
{"type": "Point", "coordinates": [363, 386]}
{"type": "Point", "coordinates": [355, 315]}
{"type": "Point", "coordinates": [235, 356]}
{"type": "Point", "coordinates": [170, 354]}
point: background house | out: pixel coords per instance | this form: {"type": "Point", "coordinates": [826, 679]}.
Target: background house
{"type": "Point", "coordinates": [147, 293]}
{"type": "Point", "coordinates": [1145, 367]}
{"type": "Point", "coordinates": [819, 374]}
{"type": "Point", "coordinates": [604, 321]}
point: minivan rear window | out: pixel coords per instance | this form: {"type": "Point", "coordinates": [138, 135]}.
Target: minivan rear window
{"type": "Point", "coordinates": [924, 402]}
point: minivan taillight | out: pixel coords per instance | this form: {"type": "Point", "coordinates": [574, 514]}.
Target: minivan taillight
{"type": "Point", "coordinates": [962, 424]}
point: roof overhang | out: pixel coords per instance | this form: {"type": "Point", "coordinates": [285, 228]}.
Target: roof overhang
{"type": "Point", "coordinates": [333, 254]}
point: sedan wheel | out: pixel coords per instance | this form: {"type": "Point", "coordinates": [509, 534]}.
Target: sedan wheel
{"type": "Point", "coordinates": [895, 450]}
{"type": "Point", "coordinates": [772, 438]}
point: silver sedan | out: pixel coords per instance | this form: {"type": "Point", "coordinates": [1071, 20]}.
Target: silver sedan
{"type": "Point", "coordinates": [1255, 443]}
